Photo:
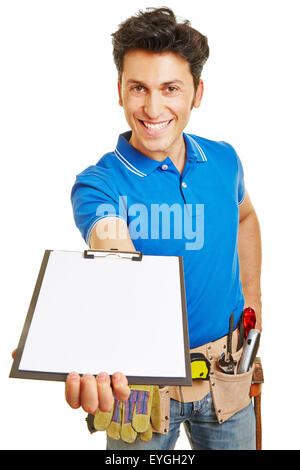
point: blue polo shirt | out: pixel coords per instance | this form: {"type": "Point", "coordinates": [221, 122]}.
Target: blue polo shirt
{"type": "Point", "coordinates": [194, 215]}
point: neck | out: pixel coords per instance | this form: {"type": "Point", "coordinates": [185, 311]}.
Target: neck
{"type": "Point", "coordinates": [176, 153]}
{"type": "Point", "coordinates": [179, 158]}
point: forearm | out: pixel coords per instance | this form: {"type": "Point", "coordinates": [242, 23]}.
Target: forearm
{"type": "Point", "coordinates": [250, 259]}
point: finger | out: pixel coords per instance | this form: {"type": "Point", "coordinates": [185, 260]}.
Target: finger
{"type": "Point", "coordinates": [105, 395]}
{"type": "Point", "coordinates": [89, 393]}
{"type": "Point", "coordinates": [120, 386]}
{"type": "Point", "coordinates": [13, 353]}
{"type": "Point", "coordinates": [72, 390]}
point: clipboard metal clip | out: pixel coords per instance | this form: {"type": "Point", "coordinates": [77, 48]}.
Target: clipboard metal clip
{"type": "Point", "coordinates": [133, 255]}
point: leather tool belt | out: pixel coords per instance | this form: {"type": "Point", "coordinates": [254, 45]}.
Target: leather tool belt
{"type": "Point", "coordinates": [230, 393]}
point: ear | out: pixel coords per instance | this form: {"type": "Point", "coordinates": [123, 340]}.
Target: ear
{"type": "Point", "coordinates": [119, 92]}
{"type": "Point", "coordinates": [199, 94]}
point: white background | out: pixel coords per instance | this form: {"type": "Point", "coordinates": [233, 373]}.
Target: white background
{"type": "Point", "coordinates": [59, 113]}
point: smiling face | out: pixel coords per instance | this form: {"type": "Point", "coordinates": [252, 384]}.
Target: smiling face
{"type": "Point", "coordinates": [157, 93]}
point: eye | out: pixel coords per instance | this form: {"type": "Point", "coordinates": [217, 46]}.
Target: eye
{"type": "Point", "coordinates": [172, 90]}
{"type": "Point", "coordinates": [138, 88]}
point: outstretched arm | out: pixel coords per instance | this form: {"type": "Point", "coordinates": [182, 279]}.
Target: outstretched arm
{"type": "Point", "coordinates": [97, 393]}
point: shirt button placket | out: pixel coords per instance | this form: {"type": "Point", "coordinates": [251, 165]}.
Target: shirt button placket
{"type": "Point", "coordinates": [183, 187]}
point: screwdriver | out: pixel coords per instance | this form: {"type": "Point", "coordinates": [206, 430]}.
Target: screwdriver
{"type": "Point", "coordinates": [226, 362]}
{"type": "Point", "coordinates": [249, 320]}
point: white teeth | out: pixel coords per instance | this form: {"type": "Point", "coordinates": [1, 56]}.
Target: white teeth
{"type": "Point", "coordinates": [161, 125]}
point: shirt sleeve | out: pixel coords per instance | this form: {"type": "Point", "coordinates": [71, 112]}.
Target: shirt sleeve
{"type": "Point", "coordinates": [92, 199]}
{"type": "Point", "coordinates": [240, 181]}
{"type": "Point", "coordinates": [238, 173]}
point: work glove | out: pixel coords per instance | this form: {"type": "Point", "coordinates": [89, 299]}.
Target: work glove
{"type": "Point", "coordinates": [136, 416]}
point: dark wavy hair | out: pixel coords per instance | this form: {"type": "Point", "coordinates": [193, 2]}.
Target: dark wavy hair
{"type": "Point", "coordinates": [157, 30]}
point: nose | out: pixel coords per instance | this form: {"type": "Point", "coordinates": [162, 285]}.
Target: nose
{"type": "Point", "coordinates": [154, 106]}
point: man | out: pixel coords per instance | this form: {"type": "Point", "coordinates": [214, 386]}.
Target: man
{"type": "Point", "coordinates": [209, 220]}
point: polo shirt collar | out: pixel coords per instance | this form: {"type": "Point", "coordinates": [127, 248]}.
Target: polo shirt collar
{"type": "Point", "coordinates": [142, 165]}
{"type": "Point", "coordinates": [194, 152]}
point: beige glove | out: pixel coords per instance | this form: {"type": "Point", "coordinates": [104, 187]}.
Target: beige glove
{"type": "Point", "coordinates": [136, 416]}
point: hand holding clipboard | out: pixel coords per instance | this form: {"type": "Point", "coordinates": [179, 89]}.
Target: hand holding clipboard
{"type": "Point", "coordinates": [79, 296]}
{"type": "Point", "coordinates": [91, 392]}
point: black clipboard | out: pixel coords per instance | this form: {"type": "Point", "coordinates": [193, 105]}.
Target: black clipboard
{"type": "Point", "coordinates": [88, 256]}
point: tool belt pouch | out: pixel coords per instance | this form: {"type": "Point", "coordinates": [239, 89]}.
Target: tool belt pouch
{"type": "Point", "coordinates": [164, 394]}
{"type": "Point", "coordinates": [230, 392]}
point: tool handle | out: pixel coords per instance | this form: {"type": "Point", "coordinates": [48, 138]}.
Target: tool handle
{"type": "Point", "coordinates": [249, 351]}
{"type": "Point", "coordinates": [241, 331]}
{"type": "Point", "coordinates": [230, 332]}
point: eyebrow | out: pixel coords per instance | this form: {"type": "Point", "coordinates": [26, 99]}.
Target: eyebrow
{"type": "Point", "coordinates": [131, 81]}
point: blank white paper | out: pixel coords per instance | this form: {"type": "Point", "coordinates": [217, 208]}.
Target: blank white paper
{"type": "Point", "coordinates": [108, 314]}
